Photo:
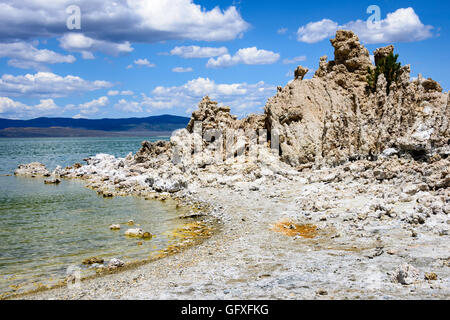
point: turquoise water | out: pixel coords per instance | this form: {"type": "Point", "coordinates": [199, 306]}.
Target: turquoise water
{"type": "Point", "coordinates": [44, 229]}
{"type": "Point", "coordinates": [62, 151]}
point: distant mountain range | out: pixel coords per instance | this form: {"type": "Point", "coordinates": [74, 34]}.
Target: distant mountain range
{"type": "Point", "coordinates": [69, 127]}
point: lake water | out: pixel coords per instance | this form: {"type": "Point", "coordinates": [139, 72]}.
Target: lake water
{"type": "Point", "coordinates": [44, 229]}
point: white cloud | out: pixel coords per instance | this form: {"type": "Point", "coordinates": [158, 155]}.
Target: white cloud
{"type": "Point", "coordinates": [127, 93]}
{"type": "Point", "coordinates": [250, 56]}
{"type": "Point", "coordinates": [144, 63]}
{"type": "Point", "coordinates": [242, 97]}
{"type": "Point", "coordinates": [403, 25]}
{"type": "Point", "coordinates": [27, 56]}
{"type": "Point", "coordinates": [294, 60]}
{"type": "Point", "coordinates": [182, 70]}
{"type": "Point", "coordinates": [113, 93]}
{"type": "Point", "coordinates": [103, 22]}
{"type": "Point", "coordinates": [92, 107]}
{"type": "Point", "coordinates": [282, 31]}
{"type": "Point", "coordinates": [198, 52]}
{"type": "Point", "coordinates": [47, 84]}
{"type": "Point", "coordinates": [128, 106]}
{"type": "Point", "coordinates": [78, 42]}
{"type": "Point", "coordinates": [12, 108]}
{"type": "Point", "coordinates": [317, 31]}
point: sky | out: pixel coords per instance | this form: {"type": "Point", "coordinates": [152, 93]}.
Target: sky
{"type": "Point", "coordinates": [140, 58]}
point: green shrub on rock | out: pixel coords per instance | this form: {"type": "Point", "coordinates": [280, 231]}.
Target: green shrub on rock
{"type": "Point", "coordinates": [389, 67]}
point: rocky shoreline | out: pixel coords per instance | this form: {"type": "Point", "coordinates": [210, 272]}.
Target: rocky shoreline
{"type": "Point", "coordinates": [334, 192]}
{"type": "Point", "coordinates": [374, 240]}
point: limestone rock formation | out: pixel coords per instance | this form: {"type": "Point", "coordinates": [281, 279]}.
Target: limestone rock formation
{"type": "Point", "coordinates": [212, 116]}
{"type": "Point", "coordinates": [320, 122]}
{"type": "Point", "coordinates": [331, 118]}
{"type": "Point", "coordinates": [34, 169]}
{"type": "Point", "coordinates": [300, 72]}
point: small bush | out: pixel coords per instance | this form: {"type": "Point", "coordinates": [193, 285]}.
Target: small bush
{"type": "Point", "coordinates": [387, 66]}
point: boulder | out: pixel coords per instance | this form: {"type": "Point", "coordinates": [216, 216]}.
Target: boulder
{"type": "Point", "coordinates": [115, 263]}
{"type": "Point", "coordinates": [382, 53]}
{"type": "Point", "coordinates": [52, 180]}
{"type": "Point", "coordinates": [406, 275]}
{"type": "Point", "coordinates": [300, 72]}
{"type": "Point", "coordinates": [134, 232]}
{"type": "Point", "coordinates": [34, 169]}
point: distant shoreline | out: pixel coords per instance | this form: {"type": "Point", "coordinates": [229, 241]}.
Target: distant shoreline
{"type": "Point", "coordinates": [68, 127]}
{"type": "Point", "coordinates": [61, 132]}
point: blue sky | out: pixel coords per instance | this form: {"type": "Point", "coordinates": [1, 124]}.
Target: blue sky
{"type": "Point", "coordinates": [139, 58]}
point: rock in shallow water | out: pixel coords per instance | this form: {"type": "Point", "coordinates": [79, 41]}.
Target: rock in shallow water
{"type": "Point", "coordinates": [93, 260]}
{"type": "Point", "coordinates": [52, 181]}
{"type": "Point", "coordinates": [115, 263]}
{"type": "Point", "coordinates": [34, 169]}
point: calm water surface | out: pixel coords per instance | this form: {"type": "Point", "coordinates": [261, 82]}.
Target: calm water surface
{"type": "Point", "coordinates": [44, 229]}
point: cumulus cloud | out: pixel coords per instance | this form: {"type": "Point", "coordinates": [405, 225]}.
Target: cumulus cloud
{"type": "Point", "coordinates": [144, 63]}
{"type": "Point", "coordinates": [249, 56]}
{"type": "Point", "coordinates": [11, 108]}
{"type": "Point", "coordinates": [317, 31]}
{"type": "Point", "coordinates": [47, 84]}
{"type": "Point", "coordinates": [26, 56]}
{"type": "Point", "coordinates": [78, 42]}
{"type": "Point", "coordinates": [294, 60]}
{"type": "Point", "coordinates": [403, 25]}
{"type": "Point", "coordinates": [113, 93]}
{"type": "Point", "coordinates": [91, 107]}
{"type": "Point", "coordinates": [129, 106]}
{"type": "Point", "coordinates": [242, 97]}
{"type": "Point", "coordinates": [282, 31]}
{"type": "Point", "coordinates": [103, 22]}
{"type": "Point", "coordinates": [182, 70]}
{"type": "Point", "coordinates": [198, 52]}
{"type": "Point", "coordinates": [127, 93]}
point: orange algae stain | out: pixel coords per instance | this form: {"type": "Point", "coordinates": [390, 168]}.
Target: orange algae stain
{"type": "Point", "coordinates": [291, 229]}
{"type": "Point", "coordinates": [184, 237]}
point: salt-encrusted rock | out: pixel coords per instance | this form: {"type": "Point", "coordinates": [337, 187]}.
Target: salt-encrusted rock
{"type": "Point", "coordinates": [406, 275]}
{"type": "Point", "coordinates": [151, 149]}
{"type": "Point", "coordinates": [134, 232]}
{"type": "Point", "coordinates": [389, 152]}
{"type": "Point", "coordinates": [115, 263]}
{"type": "Point", "coordinates": [34, 169]}
{"type": "Point", "coordinates": [138, 233]}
